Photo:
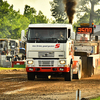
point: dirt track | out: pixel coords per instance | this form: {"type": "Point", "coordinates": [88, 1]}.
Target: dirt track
{"type": "Point", "coordinates": [15, 86]}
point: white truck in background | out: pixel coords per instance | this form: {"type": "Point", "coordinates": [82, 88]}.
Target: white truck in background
{"type": "Point", "coordinates": [50, 53]}
{"type": "Point", "coordinates": [11, 47]}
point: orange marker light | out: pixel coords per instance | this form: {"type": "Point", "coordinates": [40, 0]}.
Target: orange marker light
{"type": "Point", "coordinates": [92, 23]}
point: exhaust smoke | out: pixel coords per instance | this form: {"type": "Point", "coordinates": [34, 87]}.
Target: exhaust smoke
{"type": "Point", "coordinates": [70, 9]}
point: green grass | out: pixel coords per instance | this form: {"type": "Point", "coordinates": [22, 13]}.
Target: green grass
{"type": "Point", "coordinates": [98, 67]}
{"type": "Point", "coordinates": [2, 68]}
{"type": "Point", "coordinates": [96, 98]}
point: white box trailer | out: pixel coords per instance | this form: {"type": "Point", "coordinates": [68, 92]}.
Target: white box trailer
{"type": "Point", "coordinates": [2, 59]}
{"type": "Point", "coordinates": [50, 51]}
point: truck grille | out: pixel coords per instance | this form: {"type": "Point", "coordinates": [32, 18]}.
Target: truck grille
{"type": "Point", "coordinates": [46, 63]}
{"type": "Point", "coordinates": [45, 54]}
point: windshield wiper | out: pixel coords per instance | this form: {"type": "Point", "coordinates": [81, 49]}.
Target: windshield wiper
{"type": "Point", "coordinates": [62, 41]}
{"type": "Point", "coordinates": [43, 40]}
{"type": "Point", "coordinates": [35, 38]}
{"type": "Point", "coordinates": [52, 39]}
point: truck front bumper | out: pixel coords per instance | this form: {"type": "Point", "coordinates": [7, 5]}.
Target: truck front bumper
{"type": "Point", "coordinates": [47, 69]}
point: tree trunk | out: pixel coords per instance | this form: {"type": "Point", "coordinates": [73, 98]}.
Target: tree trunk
{"type": "Point", "coordinates": [91, 13]}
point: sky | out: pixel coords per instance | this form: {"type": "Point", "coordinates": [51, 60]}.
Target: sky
{"type": "Point", "coordinates": [42, 5]}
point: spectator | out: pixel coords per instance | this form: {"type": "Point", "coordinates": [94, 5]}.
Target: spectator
{"type": "Point", "coordinates": [16, 58]}
{"type": "Point", "coordinates": [3, 53]}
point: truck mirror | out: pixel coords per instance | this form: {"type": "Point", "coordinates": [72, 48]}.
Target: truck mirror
{"type": "Point", "coordinates": [74, 26]}
{"type": "Point", "coordinates": [73, 36]}
{"type": "Point", "coordinates": [23, 38]}
{"type": "Point", "coordinates": [96, 38]}
{"type": "Point", "coordinates": [9, 44]}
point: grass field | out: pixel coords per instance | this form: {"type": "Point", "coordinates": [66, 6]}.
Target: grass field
{"type": "Point", "coordinates": [96, 98]}
{"type": "Point", "coordinates": [2, 68]}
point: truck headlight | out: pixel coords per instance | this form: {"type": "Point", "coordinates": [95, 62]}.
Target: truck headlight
{"type": "Point", "coordinates": [61, 69]}
{"type": "Point", "coordinates": [62, 61]}
{"type": "Point", "coordinates": [30, 62]}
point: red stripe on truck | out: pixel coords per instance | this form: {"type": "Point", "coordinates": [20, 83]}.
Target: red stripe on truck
{"type": "Point", "coordinates": [48, 69]}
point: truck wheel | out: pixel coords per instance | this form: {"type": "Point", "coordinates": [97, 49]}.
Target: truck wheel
{"type": "Point", "coordinates": [30, 75]}
{"type": "Point", "coordinates": [79, 72]}
{"type": "Point", "coordinates": [68, 75]}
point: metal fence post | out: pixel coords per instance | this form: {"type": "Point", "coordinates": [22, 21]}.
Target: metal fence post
{"type": "Point", "coordinates": [78, 95]}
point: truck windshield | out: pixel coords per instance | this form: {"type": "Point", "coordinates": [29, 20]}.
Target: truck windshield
{"type": "Point", "coordinates": [47, 35]}
{"type": "Point", "coordinates": [82, 37]}
{"type": "Point", "coordinates": [12, 44]}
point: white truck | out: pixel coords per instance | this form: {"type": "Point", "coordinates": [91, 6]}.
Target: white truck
{"type": "Point", "coordinates": [50, 52]}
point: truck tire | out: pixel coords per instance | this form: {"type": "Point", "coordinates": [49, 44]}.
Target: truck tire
{"type": "Point", "coordinates": [69, 75]}
{"type": "Point", "coordinates": [30, 75]}
{"type": "Point", "coordinates": [79, 72]}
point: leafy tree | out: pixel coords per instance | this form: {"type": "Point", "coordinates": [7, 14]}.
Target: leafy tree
{"type": "Point", "coordinates": [3, 8]}
{"type": "Point", "coordinates": [29, 12]}
{"type": "Point", "coordinates": [11, 22]}
{"type": "Point", "coordinates": [3, 12]}
{"type": "Point", "coordinates": [97, 17]}
{"type": "Point", "coordinates": [40, 18]}
{"type": "Point", "coordinates": [19, 23]}
{"type": "Point", "coordinates": [57, 9]}
{"type": "Point", "coordinates": [83, 6]}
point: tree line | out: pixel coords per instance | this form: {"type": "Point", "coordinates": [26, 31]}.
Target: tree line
{"type": "Point", "coordinates": [12, 22]}
{"type": "Point", "coordinates": [85, 11]}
